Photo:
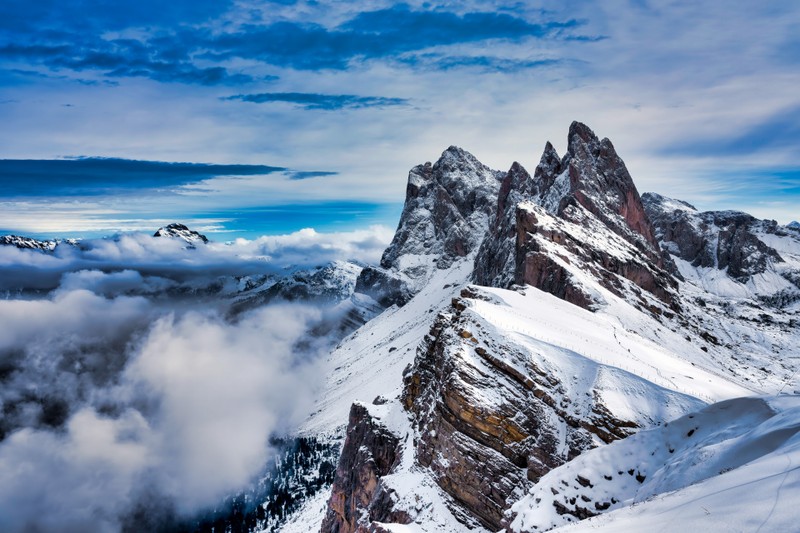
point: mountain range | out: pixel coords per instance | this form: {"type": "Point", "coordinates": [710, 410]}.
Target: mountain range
{"type": "Point", "coordinates": [555, 347]}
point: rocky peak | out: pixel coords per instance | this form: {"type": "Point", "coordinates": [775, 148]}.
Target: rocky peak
{"type": "Point", "coordinates": [447, 211]}
{"type": "Point", "coordinates": [578, 207]}
{"type": "Point", "coordinates": [180, 231]}
{"type": "Point", "coordinates": [26, 243]}
{"type": "Point", "coordinates": [600, 182]}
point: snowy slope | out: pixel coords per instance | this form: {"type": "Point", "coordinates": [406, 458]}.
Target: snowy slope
{"type": "Point", "coordinates": [370, 362]}
{"type": "Point", "coordinates": [732, 466]}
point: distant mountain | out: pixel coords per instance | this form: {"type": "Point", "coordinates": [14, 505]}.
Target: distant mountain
{"type": "Point", "coordinates": [179, 231]}
{"type": "Point", "coordinates": [27, 243]}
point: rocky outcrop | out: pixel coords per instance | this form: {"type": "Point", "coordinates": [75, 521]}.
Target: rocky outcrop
{"type": "Point", "coordinates": [27, 243]}
{"type": "Point", "coordinates": [725, 240]}
{"type": "Point", "coordinates": [358, 496]}
{"type": "Point", "coordinates": [589, 187]}
{"type": "Point", "coordinates": [446, 214]}
{"type": "Point", "coordinates": [490, 420]}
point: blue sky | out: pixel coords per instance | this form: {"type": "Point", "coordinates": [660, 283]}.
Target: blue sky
{"type": "Point", "coordinates": [249, 117]}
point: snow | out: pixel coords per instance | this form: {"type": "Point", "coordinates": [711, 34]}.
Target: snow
{"type": "Point", "coordinates": [310, 515]}
{"type": "Point", "coordinates": [370, 361]}
{"type": "Point", "coordinates": [738, 471]}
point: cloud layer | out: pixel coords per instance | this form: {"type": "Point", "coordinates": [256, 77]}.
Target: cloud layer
{"type": "Point", "coordinates": [115, 405]}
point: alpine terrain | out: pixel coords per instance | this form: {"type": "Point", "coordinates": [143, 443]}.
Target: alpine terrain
{"type": "Point", "coordinates": [555, 348]}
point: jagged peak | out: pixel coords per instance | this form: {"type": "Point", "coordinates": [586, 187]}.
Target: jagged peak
{"type": "Point", "coordinates": [457, 157]}
{"type": "Point", "coordinates": [582, 132]}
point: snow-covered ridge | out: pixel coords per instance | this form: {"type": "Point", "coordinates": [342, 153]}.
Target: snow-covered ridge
{"type": "Point", "coordinates": [27, 243]}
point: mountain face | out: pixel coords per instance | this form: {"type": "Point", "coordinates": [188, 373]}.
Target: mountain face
{"type": "Point", "coordinates": [446, 213]}
{"type": "Point", "coordinates": [574, 315]}
{"type": "Point", "coordinates": [725, 240]}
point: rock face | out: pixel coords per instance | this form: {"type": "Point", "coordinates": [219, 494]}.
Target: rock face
{"type": "Point", "coordinates": [369, 453]}
{"type": "Point", "coordinates": [445, 217]}
{"type": "Point", "coordinates": [492, 421]}
{"type": "Point", "coordinates": [725, 240]}
{"type": "Point", "coordinates": [179, 231]}
{"type": "Point", "coordinates": [589, 187]}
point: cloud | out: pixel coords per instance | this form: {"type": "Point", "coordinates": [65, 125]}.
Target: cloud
{"type": "Point", "coordinates": [779, 131]}
{"type": "Point", "coordinates": [86, 176]}
{"type": "Point", "coordinates": [327, 102]}
{"type": "Point", "coordinates": [115, 405]}
{"type": "Point", "coordinates": [438, 61]}
{"type": "Point", "coordinates": [304, 175]}
{"type": "Point", "coordinates": [123, 58]}
{"type": "Point", "coordinates": [149, 265]}
{"type": "Point", "coordinates": [382, 33]}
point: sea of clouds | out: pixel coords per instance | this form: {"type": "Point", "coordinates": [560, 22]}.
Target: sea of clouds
{"type": "Point", "coordinates": [120, 405]}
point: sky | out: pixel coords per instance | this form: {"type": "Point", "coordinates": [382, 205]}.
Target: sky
{"type": "Point", "coordinates": [242, 118]}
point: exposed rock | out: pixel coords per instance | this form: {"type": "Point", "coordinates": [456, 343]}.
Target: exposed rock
{"type": "Point", "coordinates": [589, 187]}
{"type": "Point", "coordinates": [358, 496]}
{"type": "Point", "coordinates": [491, 423]}
{"type": "Point", "coordinates": [445, 217]}
{"type": "Point", "coordinates": [716, 239]}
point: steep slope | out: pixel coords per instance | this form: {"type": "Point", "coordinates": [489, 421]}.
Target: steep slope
{"type": "Point", "coordinates": [446, 214]}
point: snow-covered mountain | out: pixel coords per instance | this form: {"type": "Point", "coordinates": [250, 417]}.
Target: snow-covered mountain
{"type": "Point", "coordinates": [180, 231]}
{"type": "Point", "coordinates": [27, 243]}
{"type": "Point", "coordinates": [538, 322]}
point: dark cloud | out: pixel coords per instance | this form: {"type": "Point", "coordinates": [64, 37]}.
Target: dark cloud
{"type": "Point", "coordinates": [124, 58]}
{"type": "Point", "coordinates": [174, 37]}
{"type": "Point", "coordinates": [327, 102]}
{"type": "Point", "coordinates": [86, 176]}
{"type": "Point", "coordinates": [488, 63]}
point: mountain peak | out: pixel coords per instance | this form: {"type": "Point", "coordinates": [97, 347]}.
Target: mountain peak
{"type": "Point", "coordinates": [180, 231]}
{"type": "Point", "coordinates": [447, 211]}
{"type": "Point", "coordinates": [580, 131]}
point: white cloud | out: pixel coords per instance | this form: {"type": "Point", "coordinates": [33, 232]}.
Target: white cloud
{"type": "Point", "coordinates": [168, 411]}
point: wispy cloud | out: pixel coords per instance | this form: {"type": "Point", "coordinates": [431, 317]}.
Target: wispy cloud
{"type": "Point", "coordinates": [327, 102]}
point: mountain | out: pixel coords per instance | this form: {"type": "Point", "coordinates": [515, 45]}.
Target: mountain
{"type": "Point", "coordinates": [446, 213]}
{"type": "Point", "coordinates": [27, 243]}
{"type": "Point", "coordinates": [179, 231]}
{"type": "Point", "coordinates": [537, 322]}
